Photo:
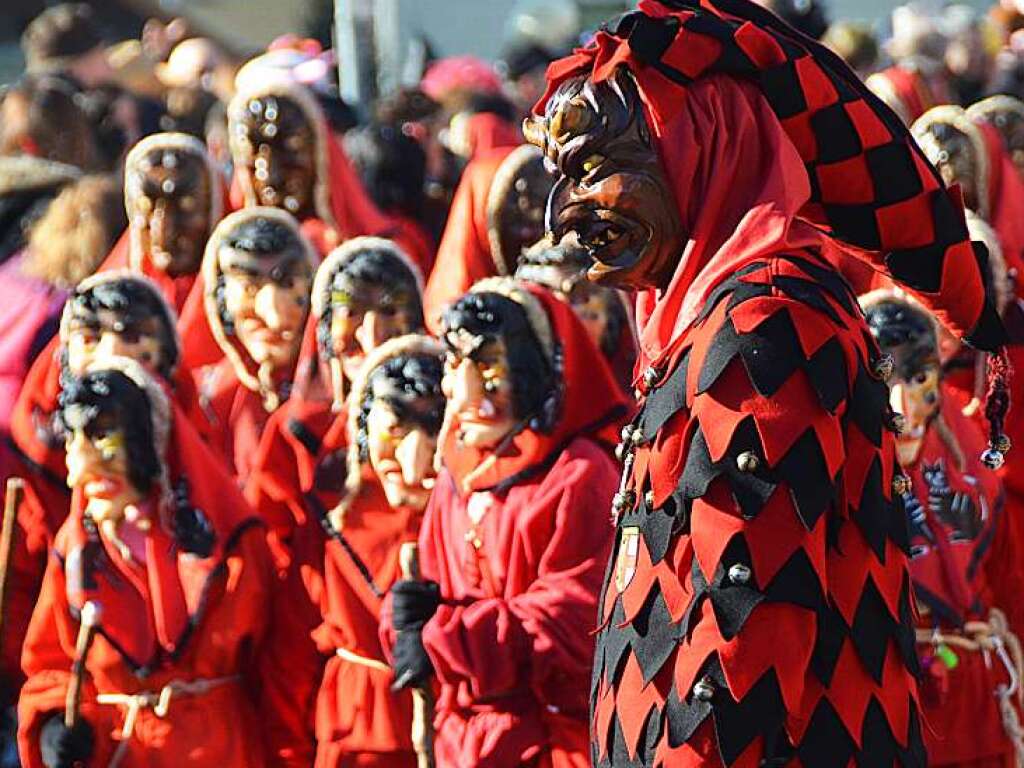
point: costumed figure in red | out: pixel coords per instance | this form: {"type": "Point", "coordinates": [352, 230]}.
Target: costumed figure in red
{"type": "Point", "coordinates": [257, 275]}
{"type": "Point", "coordinates": [757, 609]}
{"type": "Point", "coordinates": [497, 212]}
{"type": "Point", "coordinates": [286, 157]}
{"type": "Point", "coordinates": [965, 569]}
{"type": "Point", "coordinates": [365, 292]}
{"type": "Point", "coordinates": [396, 411]}
{"type": "Point", "coordinates": [1006, 115]}
{"type": "Point", "coordinates": [174, 197]}
{"type": "Point", "coordinates": [515, 535]}
{"type": "Point", "coordinates": [184, 667]}
{"type": "Point", "coordinates": [606, 313]}
{"type": "Point", "coordinates": [112, 313]}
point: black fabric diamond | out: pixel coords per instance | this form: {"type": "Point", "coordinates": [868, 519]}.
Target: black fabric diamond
{"type": "Point", "coordinates": [855, 223]}
{"type": "Point", "coordinates": [874, 512]}
{"type": "Point", "coordinates": [804, 470]}
{"type": "Point", "coordinates": [733, 603]}
{"type": "Point", "coordinates": [781, 86]}
{"type": "Point", "coordinates": [840, 140]}
{"type": "Point", "coordinates": [826, 744]}
{"type": "Point", "coordinates": [649, 38]}
{"type": "Point", "coordinates": [657, 529]}
{"type": "Point", "coordinates": [868, 404]}
{"type": "Point", "coordinates": [761, 712]}
{"type": "Point", "coordinates": [807, 293]}
{"type": "Point", "coordinates": [827, 372]}
{"type": "Point", "coordinates": [828, 643]}
{"type": "Point", "coordinates": [878, 745]}
{"type": "Point", "coordinates": [682, 718]}
{"type": "Point", "coordinates": [920, 268]}
{"type": "Point", "coordinates": [666, 401]}
{"type": "Point", "coordinates": [872, 629]}
{"type": "Point", "coordinates": [894, 173]}
{"type": "Point", "coordinates": [614, 641]}
{"type": "Point", "coordinates": [825, 277]}
{"type": "Point", "coordinates": [654, 635]}
{"type": "Point", "coordinates": [797, 583]}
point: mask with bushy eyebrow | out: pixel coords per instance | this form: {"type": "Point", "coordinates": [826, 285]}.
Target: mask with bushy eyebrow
{"type": "Point", "coordinates": [610, 188]}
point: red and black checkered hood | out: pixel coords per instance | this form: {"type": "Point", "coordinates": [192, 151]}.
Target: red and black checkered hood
{"type": "Point", "coordinates": [870, 186]}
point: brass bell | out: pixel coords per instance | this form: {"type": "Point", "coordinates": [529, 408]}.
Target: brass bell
{"type": "Point", "coordinates": [748, 462]}
{"type": "Point", "coordinates": [884, 366]}
{"type": "Point", "coordinates": [649, 499]}
{"type": "Point", "coordinates": [1003, 444]}
{"type": "Point", "coordinates": [651, 376]}
{"type": "Point", "coordinates": [704, 690]}
{"type": "Point", "coordinates": [740, 573]}
{"type": "Point", "coordinates": [993, 458]}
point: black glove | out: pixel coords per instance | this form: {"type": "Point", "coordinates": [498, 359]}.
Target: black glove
{"type": "Point", "coordinates": [413, 603]}
{"type": "Point", "coordinates": [62, 747]}
{"type": "Point", "coordinates": [412, 665]}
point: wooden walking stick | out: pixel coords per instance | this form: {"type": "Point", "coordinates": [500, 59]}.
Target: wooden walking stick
{"type": "Point", "coordinates": [12, 500]}
{"type": "Point", "coordinates": [90, 617]}
{"type": "Point", "coordinates": [422, 698]}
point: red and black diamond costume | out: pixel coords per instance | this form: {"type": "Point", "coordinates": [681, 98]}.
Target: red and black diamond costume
{"type": "Point", "coordinates": [758, 610]}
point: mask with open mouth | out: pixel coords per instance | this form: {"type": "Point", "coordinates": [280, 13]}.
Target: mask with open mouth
{"type": "Point", "coordinates": [610, 188]}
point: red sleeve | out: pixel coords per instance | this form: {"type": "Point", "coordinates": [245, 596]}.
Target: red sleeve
{"type": "Point", "coordinates": [46, 659]}
{"type": "Point", "coordinates": [545, 632]}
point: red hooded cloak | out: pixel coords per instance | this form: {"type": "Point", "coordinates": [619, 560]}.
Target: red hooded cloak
{"type": "Point", "coordinates": [203, 623]}
{"type": "Point", "coordinates": [531, 586]}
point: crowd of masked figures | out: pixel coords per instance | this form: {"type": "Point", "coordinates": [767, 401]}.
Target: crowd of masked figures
{"type": "Point", "coordinates": [313, 436]}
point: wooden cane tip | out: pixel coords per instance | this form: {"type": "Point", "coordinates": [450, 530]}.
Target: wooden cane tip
{"type": "Point", "coordinates": [91, 614]}
{"type": "Point", "coordinates": [15, 484]}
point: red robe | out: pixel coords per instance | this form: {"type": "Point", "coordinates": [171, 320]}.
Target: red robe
{"type": "Point", "coordinates": [758, 499]}
{"type": "Point", "coordinates": [532, 586]}
{"type": "Point", "coordinates": [359, 721]}
{"type": "Point", "coordinates": [962, 565]}
{"type": "Point", "coordinates": [212, 620]}
{"type": "Point", "coordinates": [464, 255]}
{"type": "Point", "coordinates": [37, 456]}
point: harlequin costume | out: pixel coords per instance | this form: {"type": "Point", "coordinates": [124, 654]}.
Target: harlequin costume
{"type": "Point", "coordinates": [186, 665]}
{"type": "Point", "coordinates": [759, 499]}
{"type": "Point", "coordinates": [965, 569]}
{"type": "Point", "coordinates": [471, 247]}
{"type": "Point", "coordinates": [360, 720]}
{"type": "Point", "coordinates": [510, 641]}
{"type": "Point", "coordinates": [235, 402]}
{"type": "Point", "coordinates": [37, 457]}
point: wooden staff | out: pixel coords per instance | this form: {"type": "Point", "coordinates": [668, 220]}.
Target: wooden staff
{"type": "Point", "coordinates": [12, 500]}
{"type": "Point", "coordinates": [90, 617]}
{"type": "Point", "coordinates": [422, 698]}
